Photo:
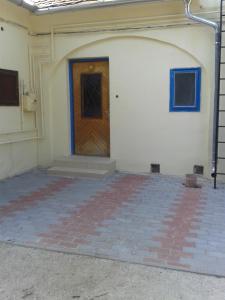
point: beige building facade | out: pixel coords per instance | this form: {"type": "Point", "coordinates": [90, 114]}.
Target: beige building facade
{"type": "Point", "coordinates": [142, 44]}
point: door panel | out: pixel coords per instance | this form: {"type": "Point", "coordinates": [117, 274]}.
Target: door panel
{"type": "Point", "coordinates": [91, 108]}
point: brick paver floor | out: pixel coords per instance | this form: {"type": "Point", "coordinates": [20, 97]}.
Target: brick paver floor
{"type": "Point", "coordinates": [152, 220]}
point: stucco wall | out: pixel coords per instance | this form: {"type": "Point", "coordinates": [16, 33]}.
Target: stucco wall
{"type": "Point", "coordinates": [155, 10]}
{"type": "Point", "coordinates": [17, 148]}
{"type": "Point", "coordinates": [143, 131]}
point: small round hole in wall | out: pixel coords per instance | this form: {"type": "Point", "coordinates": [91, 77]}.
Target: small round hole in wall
{"type": "Point", "coordinates": [2, 28]}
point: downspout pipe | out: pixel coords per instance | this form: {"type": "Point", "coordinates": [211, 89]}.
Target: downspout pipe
{"type": "Point", "coordinates": [216, 27]}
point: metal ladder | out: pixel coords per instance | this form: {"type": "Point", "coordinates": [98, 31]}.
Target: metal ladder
{"type": "Point", "coordinates": [220, 110]}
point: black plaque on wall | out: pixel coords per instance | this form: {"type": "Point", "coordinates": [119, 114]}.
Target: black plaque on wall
{"type": "Point", "coordinates": [9, 88]}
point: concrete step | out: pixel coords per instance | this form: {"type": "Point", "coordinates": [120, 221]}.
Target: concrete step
{"type": "Point", "coordinates": [86, 162]}
{"type": "Point", "coordinates": [77, 172]}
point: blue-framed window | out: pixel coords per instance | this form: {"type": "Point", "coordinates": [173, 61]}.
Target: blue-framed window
{"type": "Point", "coordinates": [185, 89]}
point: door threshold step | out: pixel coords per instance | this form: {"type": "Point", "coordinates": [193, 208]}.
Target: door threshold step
{"type": "Point", "coordinates": [86, 162]}
{"type": "Point", "coordinates": [78, 172]}
{"type": "Point", "coordinates": [99, 159]}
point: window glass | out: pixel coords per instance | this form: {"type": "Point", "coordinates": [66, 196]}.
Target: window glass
{"type": "Point", "coordinates": [185, 89]}
{"type": "Point", "coordinates": [91, 95]}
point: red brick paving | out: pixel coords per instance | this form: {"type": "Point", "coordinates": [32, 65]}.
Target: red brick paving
{"type": "Point", "coordinates": [73, 230]}
{"type": "Point", "coordinates": [156, 222]}
{"type": "Point", "coordinates": [181, 223]}
{"type": "Point", "coordinates": [24, 202]}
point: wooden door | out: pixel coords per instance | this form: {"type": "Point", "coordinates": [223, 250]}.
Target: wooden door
{"type": "Point", "coordinates": [91, 108]}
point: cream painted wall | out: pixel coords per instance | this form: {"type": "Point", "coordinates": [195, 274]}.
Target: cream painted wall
{"type": "Point", "coordinates": [116, 13]}
{"type": "Point", "coordinates": [17, 129]}
{"type": "Point", "coordinates": [14, 56]}
{"type": "Point", "coordinates": [209, 3]}
{"type": "Point", "coordinates": [142, 129]}
{"type": "Point", "coordinates": [155, 12]}
{"type": "Point", "coordinates": [15, 14]}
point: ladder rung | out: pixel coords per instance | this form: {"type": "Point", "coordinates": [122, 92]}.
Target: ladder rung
{"type": "Point", "coordinates": [221, 94]}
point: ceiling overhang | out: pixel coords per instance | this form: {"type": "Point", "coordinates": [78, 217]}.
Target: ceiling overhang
{"type": "Point", "coordinates": [39, 7]}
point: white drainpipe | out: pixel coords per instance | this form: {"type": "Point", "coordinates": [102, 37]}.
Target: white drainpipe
{"type": "Point", "coordinates": [216, 27]}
